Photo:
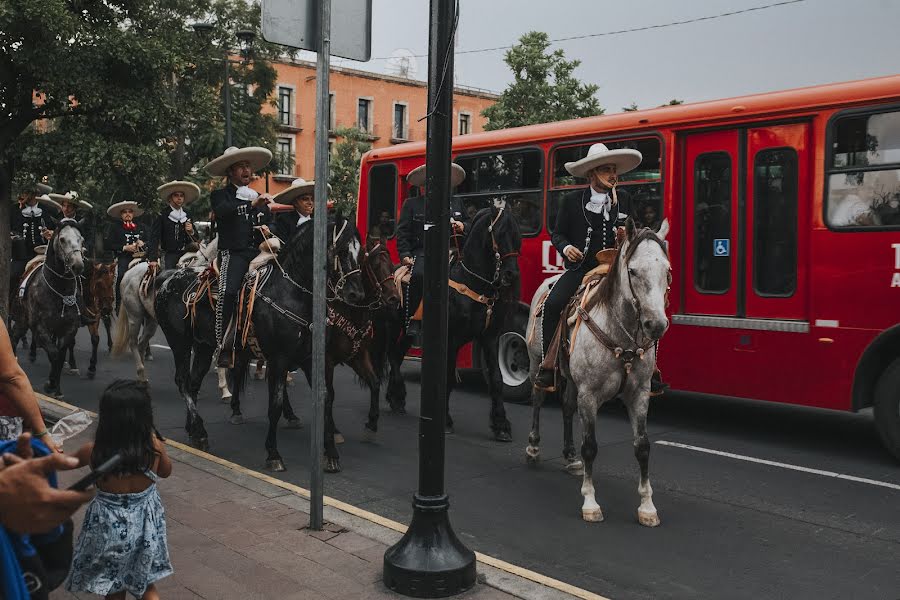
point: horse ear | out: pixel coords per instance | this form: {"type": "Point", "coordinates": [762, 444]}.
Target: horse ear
{"type": "Point", "coordinates": [630, 229]}
{"type": "Point", "coordinates": [663, 230]}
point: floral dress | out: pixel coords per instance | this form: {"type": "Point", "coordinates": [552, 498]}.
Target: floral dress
{"type": "Point", "coordinates": [122, 544]}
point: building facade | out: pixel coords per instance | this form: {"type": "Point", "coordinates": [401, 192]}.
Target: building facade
{"type": "Point", "coordinates": [386, 106]}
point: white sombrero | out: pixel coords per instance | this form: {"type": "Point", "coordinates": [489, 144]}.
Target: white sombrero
{"type": "Point", "coordinates": [191, 191]}
{"type": "Point", "coordinates": [417, 176]}
{"type": "Point", "coordinates": [47, 201]}
{"type": "Point", "coordinates": [115, 211]}
{"type": "Point", "coordinates": [42, 188]}
{"type": "Point", "coordinates": [297, 188]}
{"type": "Point", "coordinates": [70, 197]}
{"type": "Point", "coordinates": [257, 157]}
{"type": "Point", "coordinates": [599, 155]}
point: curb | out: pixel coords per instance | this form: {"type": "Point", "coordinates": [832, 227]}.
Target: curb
{"type": "Point", "coordinates": [506, 577]}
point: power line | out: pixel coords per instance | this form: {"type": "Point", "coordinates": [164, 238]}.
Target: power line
{"type": "Point", "coordinates": [632, 30]}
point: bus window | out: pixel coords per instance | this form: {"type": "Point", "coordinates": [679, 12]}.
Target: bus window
{"type": "Point", "coordinates": [383, 200]}
{"type": "Point", "coordinates": [643, 184]}
{"type": "Point", "coordinates": [775, 222]}
{"type": "Point", "coordinates": [512, 179]}
{"type": "Point", "coordinates": [712, 221]}
{"type": "Point", "coordinates": [863, 189]}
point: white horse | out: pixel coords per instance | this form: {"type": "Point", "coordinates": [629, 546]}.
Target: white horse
{"type": "Point", "coordinates": [612, 353]}
{"type": "Point", "coordinates": [136, 322]}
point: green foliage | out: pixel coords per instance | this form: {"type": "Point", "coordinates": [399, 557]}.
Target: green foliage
{"type": "Point", "coordinates": [631, 107]}
{"type": "Point", "coordinates": [672, 102]}
{"type": "Point", "coordinates": [344, 168]}
{"type": "Point", "coordinates": [544, 88]}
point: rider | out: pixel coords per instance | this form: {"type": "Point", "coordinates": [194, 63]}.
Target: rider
{"type": "Point", "coordinates": [411, 234]}
{"type": "Point", "coordinates": [238, 210]}
{"type": "Point", "coordinates": [172, 230]}
{"type": "Point", "coordinates": [126, 239]}
{"type": "Point", "coordinates": [30, 226]}
{"type": "Point", "coordinates": [588, 220]}
{"type": "Point", "coordinates": [300, 196]}
{"type": "Point", "coordinates": [78, 210]}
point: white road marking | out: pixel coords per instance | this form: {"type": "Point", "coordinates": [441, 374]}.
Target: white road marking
{"type": "Point", "coordinates": [160, 346]}
{"type": "Point", "coordinates": [781, 465]}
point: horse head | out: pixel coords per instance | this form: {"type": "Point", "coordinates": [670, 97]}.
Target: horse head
{"type": "Point", "coordinates": [379, 271]}
{"type": "Point", "coordinates": [66, 246]}
{"type": "Point", "coordinates": [492, 247]}
{"type": "Point", "coordinates": [645, 273]}
{"type": "Point", "coordinates": [344, 277]}
{"type": "Point", "coordinates": [103, 278]}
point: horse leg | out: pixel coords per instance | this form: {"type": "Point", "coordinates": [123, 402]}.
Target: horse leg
{"type": "Point", "coordinates": [499, 423]}
{"type": "Point", "coordinates": [181, 352]}
{"type": "Point", "coordinates": [293, 421]}
{"type": "Point", "coordinates": [72, 366]}
{"type": "Point", "coordinates": [238, 376]}
{"type": "Point", "coordinates": [107, 322]}
{"type": "Point", "coordinates": [143, 342]}
{"type": "Point", "coordinates": [134, 330]}
{"type": "Point", "coordinates": [260, 373]}
{"type": "Point", "coordinates": [451, 383]}
{"type": "Point", "coordinates": [276, 379]}
{"type": "Point", "coordinates": [569, 407]}
{"type": "Point", "coordinates": [56, 365]}
{"type": "Point", "coordinates": [223, 384]}
{"type": "Point", "coordinates": [396, 388]}
{"type": "Point", "coordinates": [590, 510]}
{"type": "Point", "coordinates": [32, 349]}
{"type": "Point", "coordinates": [332, 458]}
{"type": "Point", "coordinates": [94, 330]}
{"type": "Point", "coordinates": [637, 413]}
{"type": "Point", "coordinates": [533, 450]}
{"type": "Point", "coordinates": [362, 365]}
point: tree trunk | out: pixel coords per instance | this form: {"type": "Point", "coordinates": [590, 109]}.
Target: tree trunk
{"type": "Point", "coordinates": [6, 178]}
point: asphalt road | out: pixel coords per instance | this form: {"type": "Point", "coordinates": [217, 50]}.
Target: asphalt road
{"type": "Point", "coordinates": [731, 527]}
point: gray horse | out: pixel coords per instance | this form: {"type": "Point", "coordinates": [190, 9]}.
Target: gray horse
{"type": "Point", "coordinates": [52, 299]}
{"type": "Point", "coordinates": [613, 354]}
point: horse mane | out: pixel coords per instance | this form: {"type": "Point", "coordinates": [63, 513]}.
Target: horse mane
{"type": "Point", "coordinates": [505, 224]}
{"type": "Point", "coordinates": [299, 246]}
{"type": "Point", "coordinates": [609, 286]}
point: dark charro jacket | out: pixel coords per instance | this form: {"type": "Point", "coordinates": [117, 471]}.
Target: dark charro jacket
{"type": "Point", "coordinates": [573, 220]}
{"type": "Point", "coordinates": [284, 225]}
{"type": "Point", "coordinates": [411, 227]}
{"type": "Point", "coordinates": [235, 220]}
{"type": "Point", "coordinates": [29, 229]}
{"type": "Point", "coordinates": [166, 235]}
{"type": "Point", "coordinates": [119, 237]}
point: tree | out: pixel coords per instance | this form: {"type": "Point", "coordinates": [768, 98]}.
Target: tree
{"type": "Point", "coordinates": [344, 168]}
{"type": "Point", "coordinates": [631, 107]}
{"type": "Point", "coordinates": [672, 102]}
{"type": "Point", "coordinates": [544, 88]}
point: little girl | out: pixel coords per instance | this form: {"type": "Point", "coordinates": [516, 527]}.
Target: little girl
{"type": "Point", "coordinates": [122, 545]}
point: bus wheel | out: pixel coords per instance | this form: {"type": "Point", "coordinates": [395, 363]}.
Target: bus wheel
{"type": "Point", "coordinates": [887, 408]}
{"type": "Point", "coordinates": [514, 364]}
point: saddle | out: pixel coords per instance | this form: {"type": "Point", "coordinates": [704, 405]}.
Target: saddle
{"type": "Point", "coordinates": [30, 268]}
{"type": "Point", "coordinates": [268, 251]}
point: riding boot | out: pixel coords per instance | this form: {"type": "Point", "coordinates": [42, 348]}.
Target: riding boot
{"type": "Point", "coordinates": [226, 357]}
{"type": "Point", "coordinates": [657, 386]}
{"type": "Point", "coordinates": [545, 379]}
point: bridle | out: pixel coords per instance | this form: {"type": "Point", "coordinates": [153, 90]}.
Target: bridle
{"type": "Point", "coordinates": [643, 235]}
{"type": "Point", "coordinates": [338, 286]}
{"type": "Point", "coordinates": [498, 257]}
{"type": "Point", "coordinates": [368, 259]}
{"type": "Point", "coordinates": [68, 274]}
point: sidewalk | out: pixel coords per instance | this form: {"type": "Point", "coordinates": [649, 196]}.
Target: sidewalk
{"type": "Point", "coordinates": [234, 535]}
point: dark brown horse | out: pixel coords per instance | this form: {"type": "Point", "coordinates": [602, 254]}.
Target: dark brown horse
{"type": "Point", "coordinates": [98, 300]}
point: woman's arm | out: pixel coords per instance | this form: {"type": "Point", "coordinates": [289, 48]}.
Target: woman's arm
{"type": "Point", "coordinates": [163, 462]}
{"type": "Point", "coordinates": [14, 385]}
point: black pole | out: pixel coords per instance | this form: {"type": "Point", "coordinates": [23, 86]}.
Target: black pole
{"type": "Point", "coordinates": [430, 561]}
{"type": "Point", "coordinates": [226, 99]}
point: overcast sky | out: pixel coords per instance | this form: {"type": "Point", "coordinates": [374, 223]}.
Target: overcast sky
{"type": "Point", "coordinates": [811, 42]}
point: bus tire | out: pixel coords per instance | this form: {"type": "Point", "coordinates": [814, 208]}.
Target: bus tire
{"type": "Point", "coordinates": [512, 354]}
{"type": "Point", "coordinates": [887, 408]}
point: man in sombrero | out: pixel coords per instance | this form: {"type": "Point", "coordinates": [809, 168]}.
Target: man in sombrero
{"type": "Point", "coordinates": [411, 234]}
{"type": "Point", "coordinates": [300, 195]}
{"type": "Point", "coordinates": [73, 207]}
{"type": "Point", "coordinates": [238, 210]}
{"type": "Point", "coordinates": [126, 239]}
{"type": "Point", "coordinates": [172, 231]}
{"type": "Point", "coordinates": [31, 225]}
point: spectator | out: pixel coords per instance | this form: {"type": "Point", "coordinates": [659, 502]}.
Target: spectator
{"type": "Point", "coordinates": [122, 546]}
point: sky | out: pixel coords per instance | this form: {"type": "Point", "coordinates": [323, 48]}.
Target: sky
{"type": "Point", "coordinates": [806, 43]}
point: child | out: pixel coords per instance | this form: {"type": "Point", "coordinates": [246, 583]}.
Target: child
{"type": "Point", "coordinates": [122, 545]}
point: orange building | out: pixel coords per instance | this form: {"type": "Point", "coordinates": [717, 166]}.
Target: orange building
{"type": "Point", "coordinates": [386, 106]}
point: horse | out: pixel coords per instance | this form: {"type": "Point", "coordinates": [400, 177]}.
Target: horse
{"type": "Point", "coordinates": [611, 353]}
{"type": "Point", "coordinates": [98, 300]}
{"type": "Point", "coordinates": [51, 300]}
{"type": "Point", "coordinates": [485, 277]}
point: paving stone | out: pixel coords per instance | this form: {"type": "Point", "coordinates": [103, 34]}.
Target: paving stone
{"type": "Point", "coordinates": [352, 542]}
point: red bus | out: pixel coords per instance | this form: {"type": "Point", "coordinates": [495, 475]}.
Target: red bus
{"type": "Point", "coordinates": [785, 242]}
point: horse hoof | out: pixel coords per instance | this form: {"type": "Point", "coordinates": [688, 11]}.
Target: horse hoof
{"type": "Point", "coordinates": [648, 519]}
{"type": "Point", "coordinates": [91, 374]}
{"type": "Point", "coordinates": [332, 465]}
{"type": "Point", "coordinates": [369, 435]}
{"type": "Point", "coordinates": [502, 436]}
{"type": "Point", "coordinates": [149, 357]}
{"type": "Point", "coordinates": [448, 429]}
{"type": "Point", "coordinates": [201, 444]}
{"type": "Point", "coordinates": [226, 399]}
{"type": "Point", "coordinates": [236, 419]}
{"type": "Point", "coordinates": [73, 372]}
{"type": "Point", "coordinates": [276, 465]}
{"type": "Point", "coordinates": [576, 467]}
{"type": "Point", "coordinates": [532, 455]}
{"type": "Point", "coordinates": [339, 439]}
{"type": "Point", "coordinates": [294, 423]}
{"type": "Point", "coordinates": [592, 515]}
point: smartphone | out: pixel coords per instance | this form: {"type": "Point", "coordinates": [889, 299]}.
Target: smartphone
{"type": "Point", "coordinates": [97, 474]}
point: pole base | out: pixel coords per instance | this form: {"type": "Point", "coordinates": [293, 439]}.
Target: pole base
{"type": "Point", "coordinates": [429, 561]}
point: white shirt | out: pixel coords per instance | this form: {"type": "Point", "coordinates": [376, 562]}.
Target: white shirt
{"type": "Point", "coordinates": [247, 193]}
{"type": "Point", "coordinates": [303, 219]}
{"type": "Point", "coordinates": [599, 202]}
{"type": "Point", "coordinates": [178, 215]}
{"type": "Point", "coordinates": [32, 211]}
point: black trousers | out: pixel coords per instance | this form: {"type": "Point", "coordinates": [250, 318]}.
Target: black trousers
{"type": "Point", "coordinates": [415, 288]}
{"type": "Point", "coordinates": [170, 259]}
{"type": "Point", "coordinates": [557, 299]}
{"type": "Point", "coordinates": [233, 265]}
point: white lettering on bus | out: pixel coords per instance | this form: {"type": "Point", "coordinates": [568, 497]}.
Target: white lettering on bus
{"type": "Point", "coordinates": [896, 248]}
{"type": "Point", "coordinates": [550, 259]}
{"type": "Point", "coordinates": [895, 282]}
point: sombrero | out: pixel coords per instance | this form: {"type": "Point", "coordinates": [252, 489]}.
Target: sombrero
{"type": "Point", "coordinates": [47, 201]}
{"type": "Point", "coordinates": [417, 176]}
{"type": "Point", "coordinates": [115, 211]}
{"type": "Point", "coordinates": [71, 197]}
{"type": "Point", "coordinates": [257, 157]}
{"type": "Point", "coordinates": [599, 155]}
{"type": "Point", "coordinates": [42, 188]}
{"type": "Point", "coordinates": [190, 190]}
{"type": "Point", "coordinates": [297, 188]}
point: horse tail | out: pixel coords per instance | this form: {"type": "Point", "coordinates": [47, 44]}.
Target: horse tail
{"type": "Point", "coordinates": [121, 335]}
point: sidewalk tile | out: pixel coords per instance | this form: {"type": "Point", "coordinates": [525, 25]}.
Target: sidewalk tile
{"type": "Point", "coordinates": [352, 542]}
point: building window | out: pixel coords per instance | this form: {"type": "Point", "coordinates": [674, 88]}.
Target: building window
{"type": "Point", "coordinates": [331, 113]}
{"type": "Point", "coordinates": [712, 221]}
{"type": "Point", "coordinates": [465, 123]}
{"type": "Point", "coordinates": [382, 200]}
{"type": "Point", "coordinates": [775, 222]}
{"type": "Point", "coordinates": [400, 132]}
{"type": "Point", "coordinates": [284, 156]}
{"type": "Point", "coordinates": [285, 102]}
{"type": "Point", "coordinates": [364, 114]}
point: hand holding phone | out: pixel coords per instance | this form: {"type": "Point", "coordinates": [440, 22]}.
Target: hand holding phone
{"type": "Point", "coordinates": [97, 474]}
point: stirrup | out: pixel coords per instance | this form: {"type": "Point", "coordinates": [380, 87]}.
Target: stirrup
{"type": "Point", "coordinates": [540, 380]}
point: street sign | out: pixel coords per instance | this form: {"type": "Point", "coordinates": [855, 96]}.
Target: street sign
{"type": "Point", "coordinates": [722, 247]}
{"type": "Point", "coordinates": [295, 23]}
